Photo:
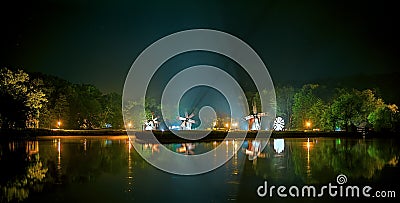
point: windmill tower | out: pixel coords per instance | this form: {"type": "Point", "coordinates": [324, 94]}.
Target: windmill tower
{"type": "Point", "coordinates": [151, 124]}
{"type": "Point", "coordinates": [254, 118]}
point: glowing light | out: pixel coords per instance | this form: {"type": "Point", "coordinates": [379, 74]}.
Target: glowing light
{"type": "Point", "coordinates": [227, 125]}
{"type": "Point", "coordinates": [308, 124]}
{"type": "Point", "coordinates": [309, 144]}
{"type": "Point", "coordinates": [58, 124]}
{"type": "Point", "coordinates": [84, 145]}
{"type": "Point", "coordinates": [59, 171]}
{"type": "Point", "coordinates": [308, 157]}
{"type": "Point", "coordinates": [59, 146]}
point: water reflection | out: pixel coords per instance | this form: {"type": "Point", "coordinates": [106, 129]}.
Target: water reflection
{"type": "Point", "coordinates": [315, 161]}
{"type": "Point", "coordinates": [308, 145]}
{"type": "Point", "coordinates": [82, 168]}
{"type": "Point", "coordinates": [230, 147]}
{"type": "Point", "coordinates": [59, 168]}
{"type": "Point", "coordinates": [129, 176]}
{"type": "Point", "coordinates": [17, 182]}
{"type": "Point", "coordinates": [32, 147]}
{"type": "Point", "coordinates": [186, 148]}
{"type": "Point", "coordinates": [279, 145]}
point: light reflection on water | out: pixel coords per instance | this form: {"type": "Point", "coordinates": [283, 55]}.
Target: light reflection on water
{"type": "Point", "coordinates": [109, 169]}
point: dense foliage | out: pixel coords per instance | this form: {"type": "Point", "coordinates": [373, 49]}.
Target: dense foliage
{"type": "Point", "coordinates": [344, 109]}
{"type": "Point", "coordinates": [26, 99]}
{"type": "Point", "coordinates": [59, 103]}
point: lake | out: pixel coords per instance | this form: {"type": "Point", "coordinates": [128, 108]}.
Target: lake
{"type": "Point", "coordinates": [109, 169]}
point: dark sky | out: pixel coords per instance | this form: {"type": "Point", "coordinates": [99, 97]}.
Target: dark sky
{"type": "Point", "coordinates": [96, 41]}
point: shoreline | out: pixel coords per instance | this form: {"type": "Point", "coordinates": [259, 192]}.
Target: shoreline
{"type": "Point", "coordinates": [168, 136]}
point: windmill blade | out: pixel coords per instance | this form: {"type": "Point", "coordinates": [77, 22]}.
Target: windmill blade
{"type": "Point", "coordinates": [191, 121]}
{"type": "Point", "coordinates": [181, 118]}
{"type": "Point", "coordinates": [155, 119]}
{"type": "Point", "coordinates": [186, 114]}
{"type": "Point", "coordinates": [262, 114]}
{"type": "Point", "coordinates": [249, 117]}
{"type": "Point", "coordinates": [191, 115]}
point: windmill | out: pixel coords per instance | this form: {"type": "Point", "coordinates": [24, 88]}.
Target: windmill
{"type": "Point", "coordinates": [186, 121]}
{"type": "Point", "coordinates": [254, 119]}
{"type": "Point", "coordinates": [151, 124]}
{"type": "Point", "coordinates": [279, 124]}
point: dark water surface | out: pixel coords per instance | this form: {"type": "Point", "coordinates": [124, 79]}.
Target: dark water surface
{"type": "Point", "coordinates": [108, 169]}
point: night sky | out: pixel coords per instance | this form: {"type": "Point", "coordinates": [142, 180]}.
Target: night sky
{"type": "Point", "coordinates": [96, 41]}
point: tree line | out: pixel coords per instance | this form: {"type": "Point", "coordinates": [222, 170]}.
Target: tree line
{"type": "Point", "coordinates": [37, 100]}
{"type": "Point", "coordinates": [316, 106]}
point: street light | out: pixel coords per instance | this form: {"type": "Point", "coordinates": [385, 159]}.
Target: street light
{"type": "Point", "coordinates": [308, 124]}
{"type": "Point", "coordinates": [227, 126]}
{"type": "Point", "coordinates": [235, 125]}
{"type": "Point", "coordinates": [59, 124]}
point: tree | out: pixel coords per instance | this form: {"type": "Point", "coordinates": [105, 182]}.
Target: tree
{"type": "Point", "coordinates": [12, 91]}
{"type": "Point", "coordinates": [284, 100]}
{"type": "Point", "coordinates": [384, 117]}
{"type": "Point", "coordinates": [307, 106]}
{"type": "Point", "coordinates": [61, 111]}
{"type": "Point", "coordinates": [21, 99]}
{"type": "Point", "coordinates": [34, 101]}
{"type": "Point", "coordinates": [85, 100]}
{"type": "Point", "coordinates": [317, 113]}
{"type": "Point", "coordinates": [136, 113]}
{"type": "Point", "coordinates": [328, 119]}
{"type": "Point", "coordinates": [351, 108]}
{"type": "Point", "coordinates": [112, 110]}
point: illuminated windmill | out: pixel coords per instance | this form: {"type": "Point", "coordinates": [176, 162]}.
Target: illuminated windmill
{"type": "Point", "coordinates": [151, 124]}
{"type": "Point", "coordinates": [279, 124]}
{"type": "Point", "coordinates": [186, 121]}
{"type": "Point", "coordinates": [254, 119]}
